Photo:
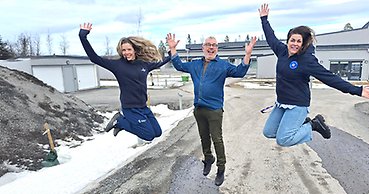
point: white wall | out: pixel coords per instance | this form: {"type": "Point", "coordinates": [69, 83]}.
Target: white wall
{"type": "Point", "coordinates": [51, 75]}
{"type": "Point", "coordinates": [266, 67]}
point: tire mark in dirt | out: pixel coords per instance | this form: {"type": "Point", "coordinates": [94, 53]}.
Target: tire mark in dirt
{"type": "Point", "coordinates": [309, 184]}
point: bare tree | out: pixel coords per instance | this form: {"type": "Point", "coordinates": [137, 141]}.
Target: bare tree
{"type": "Point", "coordinates": [108, 51]}
{"type": "Point", "coordinates": [12, 47]}
{"type": "Point", "coordinates": [49, 42]}
{"type": "Point", "coordinates": [64, 45]}
{"type": "Point", "coordinates": [36, 42]}
{"type": "Point", "coordinates": [31, 48]}
{"type": "Point", "coordinates": [22, 46]}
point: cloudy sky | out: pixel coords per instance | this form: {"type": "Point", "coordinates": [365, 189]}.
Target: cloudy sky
{"type": "Point", "coordinates": [113, 19]}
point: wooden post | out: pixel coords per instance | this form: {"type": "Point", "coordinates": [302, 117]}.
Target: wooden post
{"type": "Point", "coordinates": [47, 128]}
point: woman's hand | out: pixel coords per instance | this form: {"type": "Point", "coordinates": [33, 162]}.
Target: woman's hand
{"type": "Point", "coordinates": [86, 26]}
{"type": "Point", "coordinates": [264, 10]}
{"type": "Point", "coordinates": [365, 92]}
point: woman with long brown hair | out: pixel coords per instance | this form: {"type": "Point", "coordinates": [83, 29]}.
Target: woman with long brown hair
{"type": "Point", "coordinates": [138, 57]}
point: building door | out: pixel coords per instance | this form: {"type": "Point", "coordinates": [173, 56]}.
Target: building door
{"type": "Point", "coordinates": [49, 74]}
{"type": "Point", "coordinates": [86, 76]}
{"type": "Point", "coordinates": [70, 78]}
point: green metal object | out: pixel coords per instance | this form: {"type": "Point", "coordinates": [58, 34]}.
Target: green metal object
{"type": "Point", "coordinates": [51, 159]}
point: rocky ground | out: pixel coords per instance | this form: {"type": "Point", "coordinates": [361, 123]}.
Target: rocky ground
{"type": "Point", "coordinates": [26, 104]}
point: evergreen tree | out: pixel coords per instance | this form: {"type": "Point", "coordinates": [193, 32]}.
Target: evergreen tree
{"type": "Point", "coordinates": [162, 49]}
{"type": "Point", "coordinates": [348, 27]}
{"type": "Point", "coordinates": [5, 51]}
{"type": "Point", "coordinates": [226, 39]}
{"type": "Point", "coordinates": [188, 39]}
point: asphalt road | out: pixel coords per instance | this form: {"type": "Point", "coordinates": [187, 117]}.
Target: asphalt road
{"type": "Point", "coordinates": [254, 164]}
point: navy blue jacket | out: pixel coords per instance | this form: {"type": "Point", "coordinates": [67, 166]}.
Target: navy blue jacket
{"type": "Point", "coordinates": [131, 75]}
{"type": "Point", "coordinates": [293, 73]}
{"type": "Point", "coordinates": [209, 87]}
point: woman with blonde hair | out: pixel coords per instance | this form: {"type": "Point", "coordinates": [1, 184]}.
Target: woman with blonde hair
{"type": "Point", "coordinates": [138, 57]}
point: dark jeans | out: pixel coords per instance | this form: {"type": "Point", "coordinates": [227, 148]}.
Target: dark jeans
{"type": "Point", "coordinates": [141, 122]}
{"type": "Point", "coordinates": [209, 123]}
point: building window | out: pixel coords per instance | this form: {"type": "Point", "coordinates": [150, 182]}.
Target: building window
{"type": "Point", "coordinates": [349, 70]}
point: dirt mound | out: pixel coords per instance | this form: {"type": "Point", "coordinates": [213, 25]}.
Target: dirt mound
{"type": "Point", "coordinates": [26, 104]}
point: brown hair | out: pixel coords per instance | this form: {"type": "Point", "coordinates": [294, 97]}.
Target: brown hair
{"type": "Point", "coordinates": [145, 50]}
{"type": "Point", "coordinates": [308, 36]}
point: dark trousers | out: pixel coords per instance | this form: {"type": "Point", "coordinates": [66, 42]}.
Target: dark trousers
{"type": "Point", "coordinates": [141, 122]}
{"type": "Point", "coordinates": [209, 123]}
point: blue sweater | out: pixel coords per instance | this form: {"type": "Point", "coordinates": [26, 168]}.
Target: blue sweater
{"type": "Point", "coordinates": [131, 75]}
{"type": "Point", "coordinates": [209, 86]}
{"type": "Point", "coordinates": [293, 72]}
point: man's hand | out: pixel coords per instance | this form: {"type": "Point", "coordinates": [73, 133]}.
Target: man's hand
{"type": "Point", "coordinates": [250, 46]}
{"type": "Point", "coordinates": [172, 43]}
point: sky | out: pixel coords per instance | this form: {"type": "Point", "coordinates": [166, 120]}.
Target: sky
{"type": "Point", "coordinates": [153, 19]}
{"type": "Point", "coordinates": [76, 170]}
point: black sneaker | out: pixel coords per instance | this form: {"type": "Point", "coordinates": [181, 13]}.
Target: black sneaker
{"type": "Point", "coordinates": [318, 125]}
{"type": "Point", "coordinates": [116, 131]}
{"type": "Point", "coordinates": [307, 120]}
{"type": "Point", "coordinates": [219, 178]}
{"type": "Point", "coordinates": [207, 166]}
{"type": "Point", "coordinates": [112, 122]}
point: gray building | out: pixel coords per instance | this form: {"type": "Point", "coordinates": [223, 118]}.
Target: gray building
{"type": "Point", "coordinates": [64, 73]}
{"type": "Point", "coordinates": [345, 53]}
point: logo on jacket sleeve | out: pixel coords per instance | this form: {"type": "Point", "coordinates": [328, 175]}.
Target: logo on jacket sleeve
{"type": "Point", "coordinates": [141, 120]}
{"type": "Point", "coordinates": [293, 65]}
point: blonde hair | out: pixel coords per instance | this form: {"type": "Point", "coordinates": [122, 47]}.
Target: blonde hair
{"type": "Point", "coordinates": [145, 50]}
